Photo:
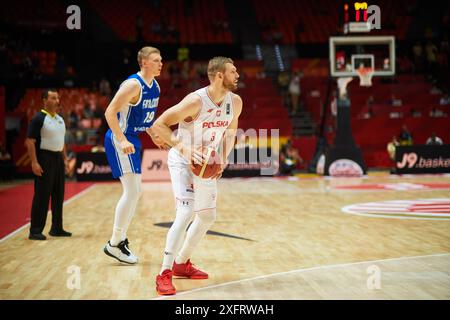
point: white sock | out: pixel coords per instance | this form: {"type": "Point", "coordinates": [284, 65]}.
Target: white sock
{"type": "Point", "coordinates": [202, 222]}
{"type": "Point", "coordinates": [177, 232]}
{"type": "Point", "coordinates": [126, 206]}
{"type": "Point", "coordinates": [132, 211]}
{"type": "Point", "coordinates": [116, 236]}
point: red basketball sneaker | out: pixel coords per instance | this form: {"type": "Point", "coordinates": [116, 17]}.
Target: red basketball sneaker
{"type": "Point", "coordinates": [187, 270]}
{"type": "Point", "coordinates": [164, 284]}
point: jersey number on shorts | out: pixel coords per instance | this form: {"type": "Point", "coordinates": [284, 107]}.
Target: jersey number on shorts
{"type": "Point", "coordinates": [149, 117]}
{"type": "Point", "coordinates": [213, 136]}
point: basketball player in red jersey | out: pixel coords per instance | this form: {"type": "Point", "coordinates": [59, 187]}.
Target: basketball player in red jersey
{"type": "Point", "coordinates": [207, 117]}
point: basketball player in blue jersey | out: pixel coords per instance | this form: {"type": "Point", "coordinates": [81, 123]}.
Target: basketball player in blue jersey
{"type": "Point", "coordinates": [131, 111]}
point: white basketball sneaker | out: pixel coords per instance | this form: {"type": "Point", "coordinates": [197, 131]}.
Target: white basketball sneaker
{"type": "Point", "coordinates": [121, 252]}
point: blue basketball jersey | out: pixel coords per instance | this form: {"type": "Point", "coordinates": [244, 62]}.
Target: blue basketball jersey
{"type": "Point", "coordinates": [135, 118]}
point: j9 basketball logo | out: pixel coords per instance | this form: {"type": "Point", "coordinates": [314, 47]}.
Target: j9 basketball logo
{"type": "Point", "coordinates": [408, 158]}
{"type": "Point", "coordinates": [86, 167]}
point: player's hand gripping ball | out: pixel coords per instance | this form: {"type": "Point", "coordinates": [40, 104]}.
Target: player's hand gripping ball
{"type": "Point", "coordinates": [212, 164]}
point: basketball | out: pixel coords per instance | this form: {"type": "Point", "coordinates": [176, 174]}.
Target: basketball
{"type": "Point", "coordinates": [211, 165]}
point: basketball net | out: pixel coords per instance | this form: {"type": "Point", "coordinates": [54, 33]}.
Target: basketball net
{"type": "Point", "coordinates": [365, 76]}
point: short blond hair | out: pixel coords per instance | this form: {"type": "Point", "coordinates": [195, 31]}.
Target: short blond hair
{"type": "Point", "coordinates": [145, 52]}
{"type": "Point", "coordinates": [217, 64]}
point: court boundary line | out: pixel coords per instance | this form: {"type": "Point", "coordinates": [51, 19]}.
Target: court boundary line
{"type": "Point", "coordinates": [73, 198]}
{"type": "Point", "coordinates": [332, 189]}
{"type": "Point", "coordinates": [331, 266]}
{"type": "Point", "coordinates": [385, 215]}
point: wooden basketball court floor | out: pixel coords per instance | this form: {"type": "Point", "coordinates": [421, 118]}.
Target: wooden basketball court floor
{"type": "Point", "coordinates": [273, 239]}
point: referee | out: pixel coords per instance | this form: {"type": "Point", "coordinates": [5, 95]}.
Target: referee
{"type": "Point", "coordinates": [45, 144]}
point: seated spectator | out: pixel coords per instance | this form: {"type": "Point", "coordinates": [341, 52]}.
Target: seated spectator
{"type": "Point", "coordinates": [405, 137]}
{"type": "Point", "coordinates": [88, 112]}
{"type": "Point", "coordinates": [437, 113]}
{"type": "Point", "coordinates": [183, 56]}
{"type": "Point", "coordinates": [289, 159]}
{"type": "Point", "coordinates": [73, 120]}
{"type": "Point", "coordinates": [395, 115]}
{"type": "Point", "coordinates": [369, 114]}
{"type": "Point", "coordinates": [104, 87]}
{"type": "Point", "coordinates": [391, 147]}
{"type": "Point", "coordinates": [445, 100]}
{"type": "Point", "coordinates": [394, 101]}
{"type": "Point", "coordinates": [434, 140]}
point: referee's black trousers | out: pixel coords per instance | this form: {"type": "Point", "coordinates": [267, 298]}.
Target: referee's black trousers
{"type": "Point", "coordinates": [50, 184]}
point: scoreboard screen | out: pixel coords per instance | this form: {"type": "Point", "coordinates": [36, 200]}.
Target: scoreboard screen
{"type": "Point", "coordinates": [359, 17]}
{"type": "Point", "coordinates": [354, 11]}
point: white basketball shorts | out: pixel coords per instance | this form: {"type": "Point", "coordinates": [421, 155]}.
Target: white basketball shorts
{"type": "Point", "coordinates": [188, 187]}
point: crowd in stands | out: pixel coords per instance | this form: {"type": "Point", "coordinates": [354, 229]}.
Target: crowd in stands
{"type": "Point", "coordinates": [18, 58]}
{"type": "Point", "coordinates": [83, 108]}
{"type": "Point", "coordinates": [405, 138]}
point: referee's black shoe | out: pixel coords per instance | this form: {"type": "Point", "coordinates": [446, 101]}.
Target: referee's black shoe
{"type": "Point", "coordinates": [37, 236]}
{"type": "Point", "coordinates": [60, 233]}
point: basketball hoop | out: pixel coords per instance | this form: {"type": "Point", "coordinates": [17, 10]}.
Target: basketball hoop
{"type": "Point", "coordinates": [365, 76]}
